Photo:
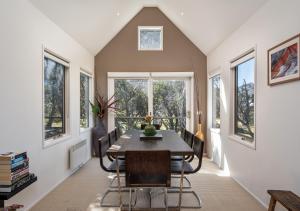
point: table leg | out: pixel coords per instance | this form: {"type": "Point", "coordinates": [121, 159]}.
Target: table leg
{"type": "Point", "coordinates": [1, 203]}
{"type": "Point", "coordinates": [272, 204]}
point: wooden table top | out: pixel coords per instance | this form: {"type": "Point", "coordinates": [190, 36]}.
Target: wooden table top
{"type": "Point", "coordinates": [171, 141]}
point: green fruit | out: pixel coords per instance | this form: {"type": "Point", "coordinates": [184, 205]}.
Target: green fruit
{"type": "Point", "coordinates": [150, 130]}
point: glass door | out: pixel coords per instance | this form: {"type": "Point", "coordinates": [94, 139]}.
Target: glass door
{"type": "Point", "coordinates": [168, 99]}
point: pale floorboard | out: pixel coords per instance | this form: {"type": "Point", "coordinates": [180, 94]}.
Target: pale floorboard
{"type": "Point", "coordinates": [83, 190]}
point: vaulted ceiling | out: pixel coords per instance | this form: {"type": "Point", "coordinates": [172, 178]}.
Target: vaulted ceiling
{"type": "Point", "coordinates": [93, 23]}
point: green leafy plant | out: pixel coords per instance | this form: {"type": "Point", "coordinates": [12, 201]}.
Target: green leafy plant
{"type": "Point", "coordinates": [101, 106]}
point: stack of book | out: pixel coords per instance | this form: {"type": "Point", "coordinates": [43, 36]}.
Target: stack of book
{"type": "Point", "coordinates": [14, 171]}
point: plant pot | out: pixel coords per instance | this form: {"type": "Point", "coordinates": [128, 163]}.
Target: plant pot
{"type": "Point", "coordinates": [150, 130]}
{"type": "Point", "coordinates": [97, 132]}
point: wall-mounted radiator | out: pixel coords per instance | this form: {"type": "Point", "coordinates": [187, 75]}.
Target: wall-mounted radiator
{"type": "Point", "coordinates": [78, 154]}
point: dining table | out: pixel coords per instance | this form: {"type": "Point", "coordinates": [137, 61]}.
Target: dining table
{"type": "Point", "coordinates": [170, 140]}
{"type": "Point", "coordinates": [130, 141]}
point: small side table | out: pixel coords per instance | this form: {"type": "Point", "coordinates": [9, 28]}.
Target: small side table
{"type": "Point", "coordinates": [5, 196]}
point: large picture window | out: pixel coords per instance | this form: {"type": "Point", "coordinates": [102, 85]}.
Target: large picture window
{"type": "Point", "coordinates": [54, 96]}
{"type": "Point", "coordinates": [132, 104]}
{"type": "Point", "coordinates": [85, 81]}
{"type": "Point", "coordinates": [167, 96]}
{"type": "Point", "coordinates": [244, 98]}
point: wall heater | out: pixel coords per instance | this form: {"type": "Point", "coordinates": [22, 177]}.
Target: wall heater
{"type": "Point", "coordinates": [78, 155]}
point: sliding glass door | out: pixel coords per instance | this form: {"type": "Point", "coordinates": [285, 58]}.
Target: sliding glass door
{"type": "Point", "coordinates": [167, 97]}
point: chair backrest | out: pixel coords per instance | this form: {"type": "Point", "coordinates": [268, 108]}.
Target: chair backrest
{"type": "Point", "coordinates": [198, 149]}
{"type": "Point", "coordinates": [148, 168]}
{"type": "Point", "coordinates": [189, 138]}
{"type": "Point", "coordinates": [157, 126]}
{"type": "Point", "coordinates": [118, 132]}
{"type": "Point", "coordinates": [103, 147]}
{"type": "Point", "coordinates": [182, 132]}
{"type": "Point", "coordinates": [112, 137]}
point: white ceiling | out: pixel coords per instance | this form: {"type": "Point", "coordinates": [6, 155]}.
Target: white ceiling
{"type": "Point", "coordinates": [93, 23]}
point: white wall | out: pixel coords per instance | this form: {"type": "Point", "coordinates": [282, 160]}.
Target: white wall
{"type": "Point", "coordinates": [275, 162]}
{"type": "Point", "coordinates": [24, 30]}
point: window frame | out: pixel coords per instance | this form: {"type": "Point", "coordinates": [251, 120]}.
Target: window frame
{"type": "Point", "coordinates": [210, 100]}
{"type": "Point", "coordinates": [91, 94]}
{"type": "Point", "coordinates": [156, 28]}
{"type": "Point", "coordinates": [47, 53]}
{"type": "Point", "coordinates": [150, 76]}
{"type": "Point", "coordinates": [250, 54]}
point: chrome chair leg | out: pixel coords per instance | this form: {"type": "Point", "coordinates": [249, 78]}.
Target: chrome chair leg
{"type": "Point", "coordinates": [185, 178]}
{"type": "Point", "coordinates": [166, 199]}
{"type": "Point", "coordinates": [130, 198]}
{"type": "Point", "coordinates": [199, 205]}
{"type": "Point", "coordinates": [113, 180]}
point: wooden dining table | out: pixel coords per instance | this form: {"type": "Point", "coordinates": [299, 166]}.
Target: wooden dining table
{"type": "Point", "coordinates": [171, 141]}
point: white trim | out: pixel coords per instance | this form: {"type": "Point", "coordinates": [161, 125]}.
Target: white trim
{"type": "Point", "coordinates": [86, 72]}
{"type": "Point", "coordinates": [172, 74]}
{"type": "Point", "coordinates": [67, 135]}
{"type": "Point", "coordinates": [243, 58]}
{"type": "Point", "coordinates": [252, 53]}
{"type": "Point", "coordinates": [247, 190]}
{"type": "Point", "coordinates": [124, 75]}
{"type": "Point", "coordinates": [55, 57]}
{"type": "Point", "coordinates": [91, 94]}
{"type": "Point", "coordinates": [152, 28]}
{"type": "Point", "coordinates": [210, 76]}
{"type": "Point", "coordinates": [53, 141]}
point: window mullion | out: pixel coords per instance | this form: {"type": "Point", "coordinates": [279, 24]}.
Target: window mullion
{"type": "Point", "coordinates": [150, 95]}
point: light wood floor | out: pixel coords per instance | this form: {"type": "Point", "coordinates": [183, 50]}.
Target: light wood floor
{"type": "Point", "coordinates": [83, 190]}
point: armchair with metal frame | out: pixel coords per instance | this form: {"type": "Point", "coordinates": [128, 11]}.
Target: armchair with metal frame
{"type": "Point", "coordinates": [148, 169]}
{"type": "Point", "coordinates": [115, 166]}
{"type": "Point", "coordinates": [183, 166]}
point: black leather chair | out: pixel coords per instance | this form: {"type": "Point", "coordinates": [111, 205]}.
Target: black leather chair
{"type": "Point", "coordinates": [112, 167]}
{"type": "Point", "coordinates": [157, 126]}
{"type": "Point", "coordinates": [118, 132]}
{"type": "Point", "coordinates": [147, 169]}
{"type": "Point", "coordinates": [178, 166]}
{"type": "Point", "coordinates": [188, 137]}
{"type": "Point", "coordinates": [182, 132]}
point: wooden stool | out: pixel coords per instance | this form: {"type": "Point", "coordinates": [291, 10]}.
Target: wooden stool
{"type": "Point", "coordinates": [287, 198]}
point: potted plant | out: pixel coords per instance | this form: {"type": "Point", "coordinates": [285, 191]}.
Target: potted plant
{"type": "Point", "coordinates": [149, 128]}
{"type": "Point", "coordinates": [100, 109]}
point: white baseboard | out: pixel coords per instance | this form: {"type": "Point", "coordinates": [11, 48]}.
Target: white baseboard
{"type": "Point", "coordinates": [252, 194]}
{"type": "Point", "coordinates": [51, 189]}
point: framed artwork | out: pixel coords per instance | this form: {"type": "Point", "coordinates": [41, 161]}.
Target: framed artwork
{"type": "Point", "coordinates": [283, 62]}
{"type": "Point", "coordinates": [150, 38]}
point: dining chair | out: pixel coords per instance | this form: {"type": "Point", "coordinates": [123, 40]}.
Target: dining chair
{"type": "Point", "coordinates": [118, 132]}
{"type": "Point", "coordinates": [178, 166]}
{"type": "Point", "coordinates": [147, 169]}
{"type": "Point", "coordinates": [188, 138]}
{"type": "Point", "coordinates": [115, 166]}
{"type": "Point", "coordinates": [157, 126]}
{"type": "Point", "coordinates": [182, 132]}
{"type": "Point", "coordinates": [112, 137]}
